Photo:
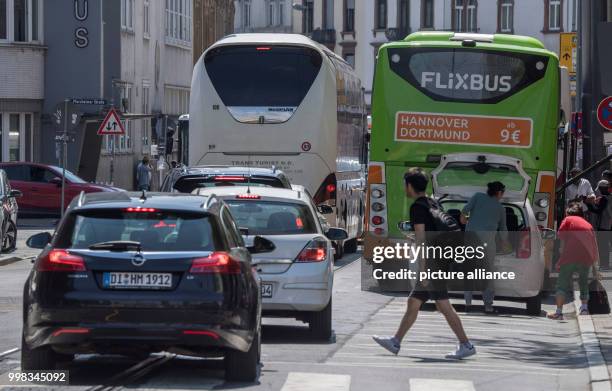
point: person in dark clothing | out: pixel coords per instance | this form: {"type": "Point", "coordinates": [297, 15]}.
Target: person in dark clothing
{"type": "Point", "coordinates": [601, 208]}
{"type": "Point", "coordinates": [423, 222]}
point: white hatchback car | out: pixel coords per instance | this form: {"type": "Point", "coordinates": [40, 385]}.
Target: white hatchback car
{"type": "Point", "coordinates": [459, 176]}
{"type": "Point", "coordinates": [297, 277]}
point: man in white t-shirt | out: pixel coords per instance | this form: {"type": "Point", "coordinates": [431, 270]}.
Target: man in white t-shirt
{"type": "Point", "coordinates": [580, 190]}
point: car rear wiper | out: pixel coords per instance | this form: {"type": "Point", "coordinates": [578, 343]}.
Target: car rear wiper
{"type": "Point", "coordinates": [117, 245]}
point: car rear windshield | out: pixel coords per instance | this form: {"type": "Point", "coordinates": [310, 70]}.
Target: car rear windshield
{"type": "Point", "coordinates": [155, 230]}
{"type": "Point", "coordinates": [262, 75]}
{"type": "Point", "coordinates": [272, 218]}
{"type": "Point", "coordinates": [189, 184]}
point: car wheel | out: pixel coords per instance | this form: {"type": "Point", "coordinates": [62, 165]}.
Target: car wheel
{"type": "Point", "coordinates": [39, 359]}
{"type": "Point", "coordinates": [321, 322]}
{"type": "Point", "coordinates": [9, 242]}
{"type": "Point", "coordinates": [243, 366]}
{"type": "Point", "coordinates": [350, 247]}
{"type": "Point", "coordinates": [534, 305]}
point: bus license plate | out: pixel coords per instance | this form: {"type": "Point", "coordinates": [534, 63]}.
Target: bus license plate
{"type": "Point", "coordinates": [126, 280]}
{"type": "Point", "coordinates": [266, 290]}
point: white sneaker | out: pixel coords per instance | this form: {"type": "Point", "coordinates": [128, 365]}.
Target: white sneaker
{"type": "Point", "coordinates": [462, 352]}
{"type": "Point", "coordinates": [388, 343]}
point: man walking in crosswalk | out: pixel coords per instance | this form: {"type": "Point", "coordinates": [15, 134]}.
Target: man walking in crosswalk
{"type": "Point", "coordinates": [423, 222]}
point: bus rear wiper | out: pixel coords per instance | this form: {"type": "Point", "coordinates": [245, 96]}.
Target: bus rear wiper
{"type": "Point", "coordinates": [117, 245]}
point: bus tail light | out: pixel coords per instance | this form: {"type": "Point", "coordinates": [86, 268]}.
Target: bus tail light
{"type": "Point", "coordinates": [523, 251]}
{"type": "Point", "coordinates": [544, 199]}
{"type": "Point", "coordinates": [327, 191]}
{"type": "Point", "coordinates": [377, 210]}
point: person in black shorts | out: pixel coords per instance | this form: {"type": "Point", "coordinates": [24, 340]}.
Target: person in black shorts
{"type": "Point", "coordinates": [424, 226]}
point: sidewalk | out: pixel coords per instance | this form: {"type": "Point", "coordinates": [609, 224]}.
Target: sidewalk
{"type": "Point", "coordinates": [603, 325]}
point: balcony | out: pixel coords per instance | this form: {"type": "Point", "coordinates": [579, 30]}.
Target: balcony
{"type": "Point", "coordinates": [324, 36]}
{"type": "Point", "coordinates": [397, 33]}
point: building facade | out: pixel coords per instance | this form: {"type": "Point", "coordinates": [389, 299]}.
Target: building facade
{"type": "Point", "coordinates": [263, 16]}
{"type": "Point", "coordinates": [356, 29]}
{"type": "Point", "coordinates": [22, 59]}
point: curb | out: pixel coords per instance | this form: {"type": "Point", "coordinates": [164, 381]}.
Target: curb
{"type": "Point", "coordinates": [598, 369]}
{"type": "Point", "coordinates": [8, 260]}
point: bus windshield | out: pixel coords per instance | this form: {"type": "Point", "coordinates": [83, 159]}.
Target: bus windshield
{"type": "Point", "coordinates": [262, 76]}
{"type": "Point", "coordinates": [459, 75]}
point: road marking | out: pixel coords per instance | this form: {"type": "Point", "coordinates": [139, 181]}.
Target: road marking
{"type": "Point", "coordinates": [9, 352]}
{"type": "Point", "coordinates": [598, 370]}
{"type": "Point", "coordinates": [440, 385]}
{"type": "Point", "coordinates": [301, 381]}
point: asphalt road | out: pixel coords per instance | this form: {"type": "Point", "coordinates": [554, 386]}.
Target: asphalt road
{"type": "Point", "coordinates": [515, 351]}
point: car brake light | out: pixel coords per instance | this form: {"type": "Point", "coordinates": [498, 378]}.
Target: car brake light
{"type": "Point", "coordinates": [248, 197]}
{"type": "Point", "coordinates": [523, 250]}
{"type": "Point", "coordinates": [315, 251]}
{"type": "Point", "coordinates": [330, 188]}
{"type": "Point", "coordinates": [217, 262]}
{"type": "Point", "coordinates": [264, 48]}
{"type": "Point", "coordinates": [61, 261]}
{"type": "Point", "coordinates": [206, 333]}
{"type": "Point", "coordinates": [141, 210]}
{"type": "Point", "coordinates": [228, 178]}
{"type": "Point", "coordinates": [327, 190]}
{"type": "Point", "coordinates": [75, 330]}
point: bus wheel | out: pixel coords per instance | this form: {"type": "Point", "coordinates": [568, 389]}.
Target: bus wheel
{"type": "Point", "coordinates": [339, 253]}
{"type": "Point", "coordinates": [350, 246]}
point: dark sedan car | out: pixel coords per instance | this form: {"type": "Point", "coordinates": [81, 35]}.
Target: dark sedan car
{"type": "Point", "coordinates": [187, 179]}
{"type": "Point", "coordinates": [41, 186]}
{"type": "Point", "coordinates": [130, 274]}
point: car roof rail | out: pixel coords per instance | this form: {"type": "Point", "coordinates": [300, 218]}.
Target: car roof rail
{"type": "Point", "coordinates": [81, 200]}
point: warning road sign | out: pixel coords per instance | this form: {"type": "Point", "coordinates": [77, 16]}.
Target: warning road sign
{"type": "Point", "coordinates": [111, 124]}
{"type": "Point", "coordinates": [604, 113]}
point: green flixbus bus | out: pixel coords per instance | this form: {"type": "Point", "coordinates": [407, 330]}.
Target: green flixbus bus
{"type": "Point", "coordinates": [469, 109]}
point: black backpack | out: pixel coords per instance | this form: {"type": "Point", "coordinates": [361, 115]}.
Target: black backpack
{"type": "Point", "coordinates": [442, 220]}
{"type": "Point", "coordinates": [598, 299]}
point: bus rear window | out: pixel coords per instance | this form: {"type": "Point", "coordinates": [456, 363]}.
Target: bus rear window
{"type": "Point", "coordinates": [466, 75]}
{"type": "Point", "coordinates": [263, 75]}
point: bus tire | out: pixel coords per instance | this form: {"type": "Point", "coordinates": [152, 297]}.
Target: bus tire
{"type": "Point", "coordinates": [534, 305]}
{"type": "Point", "coordinates": [350, 246]}
{"type": "Point", "coordinates": [339, 253]}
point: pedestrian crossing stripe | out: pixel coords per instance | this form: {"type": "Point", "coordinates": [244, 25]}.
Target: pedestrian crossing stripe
{"type": "Point", "coordinates": [300, 381]}
{"type": "Point", "coordinates": [440, 385]}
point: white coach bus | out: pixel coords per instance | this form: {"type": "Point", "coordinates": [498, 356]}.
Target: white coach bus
{"type": "Point", "coordinates": [283, 100]}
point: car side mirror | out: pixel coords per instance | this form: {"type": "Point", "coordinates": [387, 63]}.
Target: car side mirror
{"type": "Point", "coordinates": [405, 226]}
{"type": "Point", "coordinates": [39, 240]}
{"type": "Point", "coordinates": [548, 234]}
{"type": "Point", "coordinates": [56, 181]}
{"type": "Point", "coordinates": [336, 234]}
{"type": "Point", "coordinates": [15, 193]}
{"type": "Point", "coordinates": [261, 245]}
{"type": "Point", "coordinates": [325, 209]}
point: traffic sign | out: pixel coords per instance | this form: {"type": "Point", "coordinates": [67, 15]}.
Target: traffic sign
{"type": "Point", "coordinates": [568, 51]}
{"type": "Point", "coordinates": [88, 101]}
{"type": "Point", "coordinates": [604, 113]}
{"type": "Point", "coordinates": [74, 117]}
{"type": "Point", "coordinates": [111, 124]}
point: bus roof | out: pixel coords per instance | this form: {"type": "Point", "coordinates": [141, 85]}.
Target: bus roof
{"type": "Point", "coordinates": [266, 38]}
{"type": "Point", "coordinates": [456, 39]}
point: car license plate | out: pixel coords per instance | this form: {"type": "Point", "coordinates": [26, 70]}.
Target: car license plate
{"type": "Point", "coordinates": [126, 280]}
{"type": "Point", "coordinates": [266, 290]}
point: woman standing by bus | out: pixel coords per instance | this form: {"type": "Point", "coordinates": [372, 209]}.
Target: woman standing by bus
{"type": "Point", "coordinates": [485, 215]}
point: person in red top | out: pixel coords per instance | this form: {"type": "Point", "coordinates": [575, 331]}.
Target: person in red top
{"type": "Point", "coordinates": [578, 254]}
